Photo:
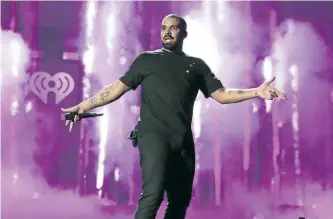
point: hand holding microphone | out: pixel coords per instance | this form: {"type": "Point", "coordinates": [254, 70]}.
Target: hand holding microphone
{"type": "Point", "coordinates": [71, 116]}
{"type": "Point", "coordinates": [75, 114]}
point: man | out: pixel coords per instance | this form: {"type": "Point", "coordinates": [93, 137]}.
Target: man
{"type": "Point", "coordinates": [170, 83]}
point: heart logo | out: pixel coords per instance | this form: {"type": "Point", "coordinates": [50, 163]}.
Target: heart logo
{"type": "Point", "coordinates": [61, 84]}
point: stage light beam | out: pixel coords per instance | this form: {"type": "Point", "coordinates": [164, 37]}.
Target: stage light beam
{"type": "Point", "coordinates": [268, 74]}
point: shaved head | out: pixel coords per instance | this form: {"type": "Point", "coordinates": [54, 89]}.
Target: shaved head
{"type": "Point", "coordinates": [182, 22]}
{"type": "Point", "coordinates": [173, 32]}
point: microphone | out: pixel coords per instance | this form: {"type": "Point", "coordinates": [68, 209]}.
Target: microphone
{"type": "Point", "coordinates": [71, 116]}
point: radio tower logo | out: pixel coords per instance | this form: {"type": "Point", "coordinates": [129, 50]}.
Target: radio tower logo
{"type": "Point", "coordinates": [61, 84]}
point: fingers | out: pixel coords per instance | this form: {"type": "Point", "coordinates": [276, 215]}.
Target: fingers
{"type": "Point", "coordinates": [70, 110]}
{"type": "Point", "coordinates": [76, 118]}
{"type": "Point", "coordinates": [280, 95]}
{"type": "Point", "coordinates": [271, 95]}
{"type": "Point", "coordinates": [266, 86]}
{"type": "Point", "coordinates": [275, 92]}
{"type": "Point", "coordinates": [71, 126]}
{"type": "Point", "coordinates": [270, 81]}
{"type": "Point", "coordinates": [66, 110]}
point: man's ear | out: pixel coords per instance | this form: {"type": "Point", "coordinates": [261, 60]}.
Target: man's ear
{"type": "Point", "coordinates": [185, 34]}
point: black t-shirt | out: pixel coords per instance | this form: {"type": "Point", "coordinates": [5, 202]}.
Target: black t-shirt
{"type": "Point", "coordinates": [170, 83]}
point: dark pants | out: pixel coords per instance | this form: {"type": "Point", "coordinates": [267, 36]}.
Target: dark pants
{"type": "Point", "coordinates": [168, 164]}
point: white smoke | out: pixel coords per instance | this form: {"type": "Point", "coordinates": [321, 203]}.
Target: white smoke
{"type": "Point", "coordinates": [115, 44]}
{"type": "Point", "coordinates": [24, 194]}
{"type": "Point", "coordinates": [221, 34]}
{"type": "Point", "coordinates": [15, 59]}
{"type": "Point", "coordinates": [300, 45]}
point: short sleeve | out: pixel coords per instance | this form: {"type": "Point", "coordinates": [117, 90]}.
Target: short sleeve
{"type": "Point", "coordinates": [209, 82]}
{"type": "Point", "coordinates": [136, 72]}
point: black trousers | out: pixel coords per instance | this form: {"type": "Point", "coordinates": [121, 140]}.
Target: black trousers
{"type": "Point", "coordinates": [168, 165]}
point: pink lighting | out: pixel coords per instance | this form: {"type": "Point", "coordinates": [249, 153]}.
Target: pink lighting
{"type": "Point", "coordinates": [254, 159]}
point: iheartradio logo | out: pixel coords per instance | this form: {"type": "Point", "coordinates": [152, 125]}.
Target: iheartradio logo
{"type": "Point", "coordinates": [61, 84]}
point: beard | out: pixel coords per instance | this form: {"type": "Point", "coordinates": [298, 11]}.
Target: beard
{"type": "Point", "coordinates": [170, 46]}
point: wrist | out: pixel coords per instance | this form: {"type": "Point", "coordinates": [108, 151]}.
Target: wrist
{"type": "Point", "coordinates": [84, 105]}
{"type": "Point", "coordinates": [255, 92]}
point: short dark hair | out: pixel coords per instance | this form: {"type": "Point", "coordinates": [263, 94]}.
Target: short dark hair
{"type": "Point", "coordinates": [182, 22]}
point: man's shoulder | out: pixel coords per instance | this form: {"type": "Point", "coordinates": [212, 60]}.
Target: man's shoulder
{"type": "Point", "coordinates": [151, 53]}
{"type": "Point", "coordinates": [196, 60]}
{"type": "Point", "coordinates": [147, 56]}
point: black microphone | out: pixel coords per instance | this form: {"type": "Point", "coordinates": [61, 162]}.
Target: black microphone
{"type": "Point", "coordinates": [71, 116]}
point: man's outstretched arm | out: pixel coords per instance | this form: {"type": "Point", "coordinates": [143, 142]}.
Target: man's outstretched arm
{"type": "Point", "coordinates": [226, 96]}
{"type": "Point", "coordinates": [264, 91]}
{"type": "Point", "coordinates": [107, 95]}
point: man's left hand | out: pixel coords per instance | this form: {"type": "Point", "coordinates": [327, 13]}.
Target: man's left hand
{"type": "Point", "coordinates": [267, 92]}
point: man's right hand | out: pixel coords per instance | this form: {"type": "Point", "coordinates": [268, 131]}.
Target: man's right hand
{"type": "Point", "coordinates": [75, 109]}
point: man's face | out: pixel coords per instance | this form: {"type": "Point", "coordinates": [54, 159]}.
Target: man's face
{"type": "Point", "coordinates": [171, 33]}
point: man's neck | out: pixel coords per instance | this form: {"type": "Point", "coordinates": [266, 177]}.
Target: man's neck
{"type": "Point", "coordinates": [177, 51]}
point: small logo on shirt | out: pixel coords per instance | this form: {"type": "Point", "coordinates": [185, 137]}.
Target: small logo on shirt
{"type": "Point", "coordinates": [190, 66]}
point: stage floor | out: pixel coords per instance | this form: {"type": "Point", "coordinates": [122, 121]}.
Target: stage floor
{"type": "Point", "coordinates": [197, 211]}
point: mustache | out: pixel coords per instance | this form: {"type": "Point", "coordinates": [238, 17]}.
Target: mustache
{"type": "Point", "coordinates": [167, 36]}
